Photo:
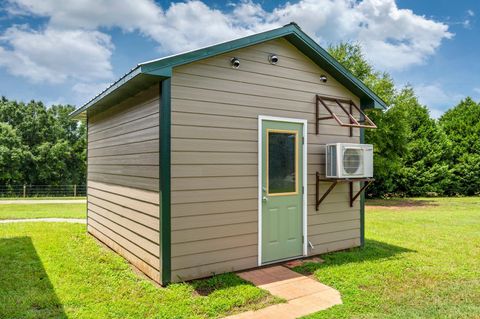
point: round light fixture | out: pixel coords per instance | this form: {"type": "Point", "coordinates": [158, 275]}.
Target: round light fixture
{"type": "Point", "coordinates": [235, 62]}
{"type": "Point", "coordinates": [273, 59]}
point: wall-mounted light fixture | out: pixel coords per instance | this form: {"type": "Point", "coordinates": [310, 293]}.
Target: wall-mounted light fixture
{"type": "Point", "coordinates": [235, 62]}
{"type": "Point", "coordinates": [323, 78]}
{"type": "Point", "coordinates": [273, 59]}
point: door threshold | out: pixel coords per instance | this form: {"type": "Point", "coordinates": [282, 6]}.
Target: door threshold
{"type": "Point", "coordinates": [281, 260]}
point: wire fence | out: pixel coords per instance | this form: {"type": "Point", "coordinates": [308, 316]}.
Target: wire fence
{"type": "Point", "coordinates": [42, 191]}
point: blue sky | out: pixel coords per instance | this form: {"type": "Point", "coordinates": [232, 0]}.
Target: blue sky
{"type": "Point", "coordinates": [68, 51]}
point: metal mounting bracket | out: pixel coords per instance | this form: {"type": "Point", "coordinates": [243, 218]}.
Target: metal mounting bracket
{"type": "Point", "coordinates": [334, 182]}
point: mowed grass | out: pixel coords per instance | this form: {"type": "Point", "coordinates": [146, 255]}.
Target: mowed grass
{"type": "Point", "coordinates": [421, 260]}
{"type": "Point", "coordinates": [57, 271]}
{"type": "Point", "coordinates": [43, 210]}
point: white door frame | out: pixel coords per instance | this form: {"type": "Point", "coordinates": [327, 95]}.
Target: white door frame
{"type": "Point", "coordinates": [262, 118]}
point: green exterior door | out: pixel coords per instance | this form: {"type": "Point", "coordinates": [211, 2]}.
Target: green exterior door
{"type": "Point", "coordinates": [282, 190]}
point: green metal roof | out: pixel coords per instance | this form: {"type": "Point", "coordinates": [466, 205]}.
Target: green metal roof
{"type": "Point", "coordinates": [147, 73]}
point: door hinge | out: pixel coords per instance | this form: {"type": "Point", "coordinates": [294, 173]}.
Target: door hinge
{"type": "Point", "coordinates": [303, 140]}
{"type": "Point", "coordinates": [303, 189]}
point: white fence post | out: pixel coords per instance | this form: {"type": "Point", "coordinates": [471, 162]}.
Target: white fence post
{"type": "Point", "coordinates": [75, 190]}
{"type": "Point", "coordinates": [24, 190]}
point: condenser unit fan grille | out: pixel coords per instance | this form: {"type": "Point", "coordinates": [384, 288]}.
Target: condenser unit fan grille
{"type": "Point", "coordinates": [352, 160]}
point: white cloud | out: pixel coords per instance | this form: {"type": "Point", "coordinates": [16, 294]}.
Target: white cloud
{"type": "Point", "coordinates": [470, 12]}
{"type": "Point", "coordinates": [74, 45]}
{"type": "Point", "coordinates": [90, 14]}
{"type": "Point", "coordinates": [437, 98]}
{"type": "Point", "coordinates": [56, 55]}
{"type": "Point", "coordinates": [393, 38]}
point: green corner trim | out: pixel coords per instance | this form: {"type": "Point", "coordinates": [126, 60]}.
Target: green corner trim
{"type": "Point", "coordinates": [362, 200]}
{"type": "Point", "coordinates": [165, 189]}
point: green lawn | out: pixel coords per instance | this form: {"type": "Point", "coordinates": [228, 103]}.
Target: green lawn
{"type": "Point", "coordinates": [421, 260]}
{"type": "Point", "coordinates": [16, 211]}
{"type": "Point", "coordinates": [43, 198]}
{"type": "Point", "coordinates": [57, 271]}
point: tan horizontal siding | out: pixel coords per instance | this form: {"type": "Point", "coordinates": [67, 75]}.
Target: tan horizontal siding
{"type": "Point", "coordinates": [228, 194]}
{"type": "Point", "coordinates": [141, 105]}
{"type": "Point", "coordinates": [197, 221]}
{"type": "Point", "coordinates": [147, 183]}
{"type": "Point", "coordinates": [130, 159]}
{"type": "Point", "coordinates": [133, 248]}
{"type": "Point", "coordinates": [123, 180]}
{"type": "Point", "coordinates": [149, 171]}
{"type": "Point", "coordinates": [209, 269]}
{"type": "Point", "coordinates": [215, 113]}
{"type": "Point", "coordinates": [213, 257]}
{"type": "Point", "coordinates": [334, 226]}
{"type": "Point", "coordinates": [132, 137]}
{"type": "Point", "coordinates": [334, 244]}
{"type": "Point", "coordinates": [190, 235]}
{"type": "Point", "coordinates": [235, 134]}
{"type": "Point", "coordinates": [133, 259]}
{"type": "Point", "coordinates": [200, 246]}
{"type": "Point", "coordinates": [143, 123]}
{"type": "Point", "coordinates": [137, 194]}
{"type": "Point", "coordinates": [150, 146]}
{"type": "Point", "coordinates": [129, 223]}
{"type": "Point", "coordinates": [327, 127]}
{"type": "Point", "coordinates": [137, 216]}
{"type": "Point", "coordinates": [146, 207]}
{"type": "Point", "coordinates": [219, 207]}
{"type": "Point", "coordinates": [244, 181]}
{"type": "Point", "coordinates": [325, 238]}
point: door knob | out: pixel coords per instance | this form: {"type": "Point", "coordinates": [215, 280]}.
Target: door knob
{"type": "Point", "coordinates": [265, 199]}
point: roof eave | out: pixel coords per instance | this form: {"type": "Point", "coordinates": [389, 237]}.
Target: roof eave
{"type": "Point", "coordinates": [310, 48]}
{"type": "Point", "coordinates": [162, 68]}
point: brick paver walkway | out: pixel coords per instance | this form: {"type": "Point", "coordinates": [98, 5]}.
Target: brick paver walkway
{"type": "Point", "coordinates": [304, 295]}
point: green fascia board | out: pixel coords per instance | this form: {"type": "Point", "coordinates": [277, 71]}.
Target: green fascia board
{"type": "Point", "coordinates": [368, 99]}
{"type": "Point", "coordinates": [162, 68]}
{"type": "Point", "coordinates": [119, 83]}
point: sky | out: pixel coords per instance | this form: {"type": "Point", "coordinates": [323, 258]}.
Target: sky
{"type": "Point", "coordinates": [66, 52]}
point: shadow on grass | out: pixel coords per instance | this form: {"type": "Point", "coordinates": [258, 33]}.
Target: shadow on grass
{"type": "Point", "coordinates": [25, 289]}
{"type": "Point", "coordinates": [205, 287]}
{"type": "Point", "coordinates": [373, 250]}
{"type": "Point", "coordinates": [401, 202]}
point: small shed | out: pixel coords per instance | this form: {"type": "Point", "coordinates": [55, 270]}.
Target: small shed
{"type": "Point", "coordinates": [213, 160]}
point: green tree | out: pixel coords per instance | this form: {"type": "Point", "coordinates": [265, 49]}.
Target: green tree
{"type": "Point", "coordinates": [426, 161]}
{"type": "Point", "coordinates": [12, 156]}
{"type": "Point", "coordinates": [55, 145]}
{"type": "Point", "coordinates": [389, 139]}
{"type": "Point", "coordinates": [462, 126]}
{"type": "Point", "coordinates": [411, 152]}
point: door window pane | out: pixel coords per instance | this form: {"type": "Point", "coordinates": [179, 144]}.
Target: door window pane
{"type": "Point", "coordinates": [282, 162]}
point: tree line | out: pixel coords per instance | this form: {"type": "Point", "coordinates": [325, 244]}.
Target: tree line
{"type": "Point", "coordinates": [414, 154]}
{"type": "Point", "coordinates": [40, 145]}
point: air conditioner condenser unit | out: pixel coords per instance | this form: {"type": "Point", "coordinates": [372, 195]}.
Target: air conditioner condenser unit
{"type": "Point", "coordinates": [347, 160]}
